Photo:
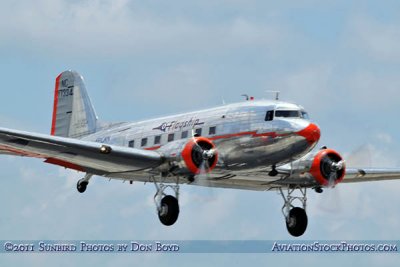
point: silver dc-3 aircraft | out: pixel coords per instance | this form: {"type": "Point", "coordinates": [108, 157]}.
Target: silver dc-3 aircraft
{"type": "Point", "coordinates": [261, 145]}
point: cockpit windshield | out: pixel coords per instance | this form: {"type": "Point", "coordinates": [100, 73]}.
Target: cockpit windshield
{"type": "Point", "coordinates": [286, 114]}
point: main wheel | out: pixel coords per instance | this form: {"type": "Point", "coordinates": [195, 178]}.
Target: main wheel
{"type": "Point", "coordinates": [297, 221]}
{"type": "Point", "coordinates": [169, 211]}
{"type": "Point", "coordinates": [81, 186]}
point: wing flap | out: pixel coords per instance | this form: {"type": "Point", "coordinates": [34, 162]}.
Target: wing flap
{"type": "Point", "coordinates": [77, 154]}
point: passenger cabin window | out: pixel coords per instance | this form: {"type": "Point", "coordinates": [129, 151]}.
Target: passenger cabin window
{"type": "Point", "coordinates": [184, 134]}
{"type": "Point", "coordinates": [270, 115]}
{"type": "Point", "coordinates": [171, 137]}
{"type": "Point", "coordinates": [144, 142]}
{"type": "Point", "coordinates": [198, 132]}
{"type": "Point", "coordinates": [131, 143]}
{"type": "Point", "coordinates": [157, 139]}
{"type": "Point", "coordinates": [287, 113]}
{"type": "Point", "coordinates": [212, 130]}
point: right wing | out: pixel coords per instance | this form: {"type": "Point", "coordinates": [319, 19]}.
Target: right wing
{"type": "Point", "coordinates": [369, 174]}
{"type": "Point", "coordinates": [76, 154]}
{"type": "Point", "coordinates": [261, 181]}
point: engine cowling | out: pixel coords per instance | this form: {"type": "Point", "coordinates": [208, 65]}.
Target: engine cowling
{"type": "Point", "coordinates": [328, 167]}
{"type": "Point", "coordinates": [199, 154]}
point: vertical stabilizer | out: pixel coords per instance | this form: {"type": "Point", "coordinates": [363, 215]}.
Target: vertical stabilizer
{"type": "Point", "coordinates": [73, 112]}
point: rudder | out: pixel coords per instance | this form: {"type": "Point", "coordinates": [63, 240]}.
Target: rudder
{"type": "Point", "coordinates": [73, 112]}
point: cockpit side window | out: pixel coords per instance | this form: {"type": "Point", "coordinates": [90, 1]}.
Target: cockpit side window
{"type": "Point", "coordinates": [269, 116]}
{"type": "Point", "coordinates": [305, 115]}
{"type": "Point", "coordinates": [287, 113]}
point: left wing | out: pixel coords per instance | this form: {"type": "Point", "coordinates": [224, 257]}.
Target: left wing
{"type": "Point", "coordinates": [76, 154]}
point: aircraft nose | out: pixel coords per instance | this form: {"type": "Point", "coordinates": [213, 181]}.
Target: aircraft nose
{"type": "Point", "coordinates": [311, 133]}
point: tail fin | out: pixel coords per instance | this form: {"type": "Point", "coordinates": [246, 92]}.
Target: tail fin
{"type": "Point", "coordinates": [73, 113]}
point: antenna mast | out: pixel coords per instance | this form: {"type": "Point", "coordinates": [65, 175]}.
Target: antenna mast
{"type": "Point", "coordinates": [274, 92]}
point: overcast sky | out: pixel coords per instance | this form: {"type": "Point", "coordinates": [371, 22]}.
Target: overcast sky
{"type": "Point", "coordinates": [142, 59]}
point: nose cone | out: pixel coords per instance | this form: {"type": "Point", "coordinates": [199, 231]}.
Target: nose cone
{"type": "Point", "coordinates": [311, 133]}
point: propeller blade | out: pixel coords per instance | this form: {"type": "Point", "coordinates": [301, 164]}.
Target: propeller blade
{"type": "Point", "coordinates": [204, 179]}
{"type": "Point", "coordinates": [332, 178]}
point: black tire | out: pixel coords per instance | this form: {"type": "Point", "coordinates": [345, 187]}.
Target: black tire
{"type": "Point", "coordinates": [171, 213]}
{"type": "Point", "coordinates": [81, 186]}
{"type": "Point", "coordinates": [297, 221]}
{"type": "Point", "coordinates": [273, 173]}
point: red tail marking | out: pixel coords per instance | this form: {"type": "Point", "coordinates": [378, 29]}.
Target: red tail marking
{"type": "Point", "coordinates": [53, 123]}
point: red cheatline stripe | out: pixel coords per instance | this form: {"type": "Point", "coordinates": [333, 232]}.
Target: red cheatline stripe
{"type": "Point", "coordinates": [53, 123]}
{"type": "Point", "coordinates": [231, 135]}
{"type": "Point", "coordinates": [253, 134]}
{"type": "Point", "coordinates": [153, 148]}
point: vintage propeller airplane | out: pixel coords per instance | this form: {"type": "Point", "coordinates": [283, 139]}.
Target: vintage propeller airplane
{"type": "Point", "coordinates": [253, 145]}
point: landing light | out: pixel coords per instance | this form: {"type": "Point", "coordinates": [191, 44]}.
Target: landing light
{"type": "Point", "coordinates": [105, 149]}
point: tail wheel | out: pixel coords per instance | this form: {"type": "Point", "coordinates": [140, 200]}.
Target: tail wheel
{"type": "Point", "coordinates": [169, 210]}
{"type": "Point", "coordinates": [81, 186]}
{"type": "Point", "coordinates": [296, 222]}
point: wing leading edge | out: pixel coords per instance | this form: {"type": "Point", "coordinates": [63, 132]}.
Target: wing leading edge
{"type": "Point", "coordinates": [371, 174]}
{"type": "Point", "coordinates": [76, 154]}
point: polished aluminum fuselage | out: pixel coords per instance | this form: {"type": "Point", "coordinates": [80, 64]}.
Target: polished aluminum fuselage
{"type": "Point", "coordinates": [243, 137]}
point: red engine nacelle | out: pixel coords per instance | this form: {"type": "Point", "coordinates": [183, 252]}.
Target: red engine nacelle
{"type": "Point", "coordinates": [199, 154]}
{"type": "Point", "coordinates": [328, 167]}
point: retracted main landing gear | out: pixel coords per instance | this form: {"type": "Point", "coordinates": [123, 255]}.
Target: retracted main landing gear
{"type": "Point", "coordinates": [296, 217]}
{"type": "Point", "coordinates": [167, 205]}
{"type": "Point", "coordinates": [83, 183]}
